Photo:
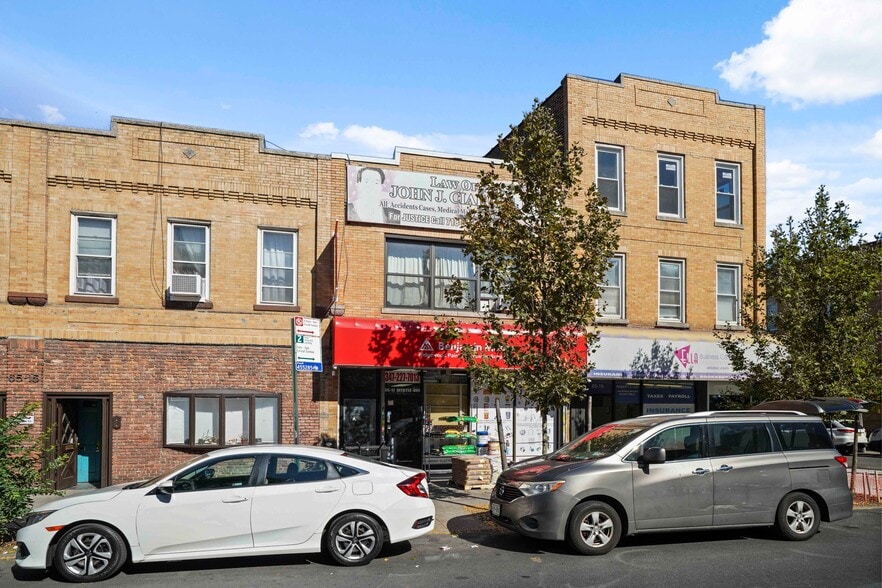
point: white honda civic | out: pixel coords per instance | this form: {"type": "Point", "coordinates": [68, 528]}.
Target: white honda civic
{"type": "Point", "coordinates": [250, 500]}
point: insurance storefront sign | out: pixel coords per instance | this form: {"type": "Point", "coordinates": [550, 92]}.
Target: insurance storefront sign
{"type": "Point", "coordinates": [411, 199]}
{"type": "Point", "coordinates": [660, 359]}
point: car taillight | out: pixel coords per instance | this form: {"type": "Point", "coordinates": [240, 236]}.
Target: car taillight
{"type": "Point", "coordinates": [413, 485]}
{"type": "Point", "coordinates": [842, 459]}
{"type": "Point", "coordinates": [848, 431]}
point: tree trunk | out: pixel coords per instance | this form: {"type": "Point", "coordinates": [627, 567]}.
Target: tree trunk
{"type": "Point", "coordinates": [544, 431]}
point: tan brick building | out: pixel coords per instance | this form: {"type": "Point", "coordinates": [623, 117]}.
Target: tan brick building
{"type": "Point", "coordinates": [151, 274]}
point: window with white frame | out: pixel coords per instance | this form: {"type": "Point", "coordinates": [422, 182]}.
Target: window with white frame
{"type": "Point", "coordinates": [214, 418]}
{"type": "Point", "coordinates": [728, 192]}
{"type": "Point", "coordinates": [670, 290]}
{"type": "Point", "coordinates": [278, 267]}
{"type": "Point", "coordinates": [609, 164]}
{"type": "Point", "coordinates": [418, 273]}
{"type": "Point", "coordinates": [93, 256]}
{"type": "Point", "coordinates": [670, 185]}
{"type": "Point", "coordinates": [612, 297]}
{"type": "Point", "coordinates": [189, 250]}
{"type": "Point", "coordinates": [728, 299]}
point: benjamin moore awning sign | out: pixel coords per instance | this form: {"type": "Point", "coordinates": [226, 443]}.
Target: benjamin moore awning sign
{"type": "Point", "coordinates": [410, 199]}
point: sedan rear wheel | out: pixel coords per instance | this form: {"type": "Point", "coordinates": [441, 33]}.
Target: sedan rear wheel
{"type": "Point", "coordinates": [594, 528]}
{"type": "Point", "coordinates": [798, 517]}
{"type": "Point", "coordinates": [89, 553]}
{"type": "Point", "coordinates": [353, 539]}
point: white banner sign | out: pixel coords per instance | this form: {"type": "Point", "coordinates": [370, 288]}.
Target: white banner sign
{"type": "Point", "coordinates": [659, 359]}
{"type": "Point", "coordinates": [411, 199]}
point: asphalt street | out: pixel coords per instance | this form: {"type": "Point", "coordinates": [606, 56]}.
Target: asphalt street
{"type": "Point", "coordinates": [469, 550]}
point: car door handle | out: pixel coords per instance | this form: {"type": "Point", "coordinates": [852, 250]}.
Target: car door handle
{"type": "Point", "coordinates": [326, 489]}
{"type": "Point", "coordinates": [701, 471]}
{"type": "Point", "coordinates": [725, 468]}
{"type": "Point", "coordinates": [234, 499]}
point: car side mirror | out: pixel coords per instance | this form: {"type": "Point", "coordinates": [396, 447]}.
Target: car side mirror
{"type": "Point", "coordinates": [653, 455]}
{"type": "Point", "coordinates": [166, 487]}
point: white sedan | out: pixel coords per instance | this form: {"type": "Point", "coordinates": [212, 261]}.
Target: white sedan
{"type": "Point", "coordinates": [254, 500]}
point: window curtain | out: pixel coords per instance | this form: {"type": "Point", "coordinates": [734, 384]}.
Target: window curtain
{"type": "Point", "coordinates": [451, 262]}
{"type": "Point", "coordinates": [94, 256]}
{"type": "Point", "coordinates": [411, 288]}
{"type": "Point", "coordinates": [189, 250]}
{"type": "Point", "coordinates": [278, 268]}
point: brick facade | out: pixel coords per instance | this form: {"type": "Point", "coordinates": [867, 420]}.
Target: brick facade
{"type": "Point", "coordinates": [136, 345]}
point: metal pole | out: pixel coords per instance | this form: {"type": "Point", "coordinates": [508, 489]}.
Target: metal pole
{"type": "Point", "coordinates": [294, 384]}
{"type": "Point", "coordinates": [501, 432]}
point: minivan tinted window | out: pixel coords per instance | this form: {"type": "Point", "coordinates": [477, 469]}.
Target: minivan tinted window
{"type": "Point", "coordinates": [739, 439]}
{"type": "Point", "coordinates": [803, 436]}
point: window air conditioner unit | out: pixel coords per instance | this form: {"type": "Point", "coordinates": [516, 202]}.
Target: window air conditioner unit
{"type": "Point", "coordinates": [186, 285]}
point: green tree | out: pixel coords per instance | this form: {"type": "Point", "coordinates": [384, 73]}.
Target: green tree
{"type": "Point", "coordinates": [25, 459]}
{"type": "Point", "coordinates": [821, 336]}
{"type": "Point", "coordinates": [544, 259]}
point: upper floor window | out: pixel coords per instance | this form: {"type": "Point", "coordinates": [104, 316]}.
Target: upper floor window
{"type": "Point", "coordinates": [609, 176]}
{"type": "Point", "coordinates": [188, 256]}
{"type": "Point", "coordinates": [728, 192]}
{"type": "Point", "coordinates": [670, 185]}
{"type": "Point", "coordinates": [728, 300]}
{"type": "Point", "coordinates": [93, 259]}
{"type": "Point", "coordinates": [418, 273]}
{"type": "Point", "coordinates": [213, 418]}
{"type": "Point", "coordinates": [670, 290]}
{"type": "Point", "coordinates": [612, 298]}
{"type": "Point", "coordinates": [278, 267]}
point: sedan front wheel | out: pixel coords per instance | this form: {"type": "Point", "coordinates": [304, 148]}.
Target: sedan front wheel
{"type": "Point", "coordinates": [89, 553]}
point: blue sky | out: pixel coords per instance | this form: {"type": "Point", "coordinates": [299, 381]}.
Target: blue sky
{"type": "Point", "coordinates": [363, 78]}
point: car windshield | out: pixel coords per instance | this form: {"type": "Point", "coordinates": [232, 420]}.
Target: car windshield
{"type": "Point", "coordinates": [151, 481]}
{"type": "Point", "coordinates": [601, 441]}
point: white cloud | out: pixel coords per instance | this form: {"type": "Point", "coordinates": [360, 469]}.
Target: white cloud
{"type": "Point", "coordinates": [873, 147]}
{"type": "Point", "coordinates": [787, 175]}
{"type": "Point", "coordinates": [321, 130]}
{"type": "Point", "coordinates": [225, 106]}
{"type": "Point", "coordinates": [380, 142]}
{"type": "Point", "coordinates": [51, 114]}
{"type": "Point", "coordinates": [815, 51]}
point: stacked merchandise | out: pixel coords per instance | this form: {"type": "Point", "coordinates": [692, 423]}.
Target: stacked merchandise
{"type": "Point", "coordinates": [471, 472]}
{"type": "Point", "coordinates": [458, 439]}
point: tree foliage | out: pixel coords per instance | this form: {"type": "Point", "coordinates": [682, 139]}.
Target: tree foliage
{"type": "Point", "coordinates": [822, 335]}
{"type": "Point", "coordinates": [24, 462]}
{"type": "Point", "coordinates": [544, 258]}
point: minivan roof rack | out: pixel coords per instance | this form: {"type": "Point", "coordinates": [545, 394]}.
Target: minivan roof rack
{"type": "Point", "coordinates": [734, 412]}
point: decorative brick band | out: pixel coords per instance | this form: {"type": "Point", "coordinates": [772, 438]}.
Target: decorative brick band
{"type": "Point", "coordinates": [5, 176]}
{"type": "Point", "coordinates": [666, 132]}
{"type": "Point", "coordinates": [184, 191]}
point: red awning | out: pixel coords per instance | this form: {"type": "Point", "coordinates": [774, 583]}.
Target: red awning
{"type": "Point", "coordinates": [390, 343]}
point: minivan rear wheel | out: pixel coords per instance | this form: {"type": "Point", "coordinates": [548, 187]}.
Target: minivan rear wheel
{"type": "Point", "coordinates": [594, 528]}
{"type": "Point", "coordinates": [798, 517]}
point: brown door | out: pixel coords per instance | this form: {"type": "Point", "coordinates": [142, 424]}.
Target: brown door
{"type": "Point", "coordinates": [66, 443]}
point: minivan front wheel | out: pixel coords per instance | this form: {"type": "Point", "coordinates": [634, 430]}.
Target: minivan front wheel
{"type": "Point", "coordinates": [594, 528]}
{"type": "Point", "coordinates": [798, 517]}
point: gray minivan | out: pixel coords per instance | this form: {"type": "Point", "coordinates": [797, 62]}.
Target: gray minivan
{"type": "Point", "coordinates": [708, 470]}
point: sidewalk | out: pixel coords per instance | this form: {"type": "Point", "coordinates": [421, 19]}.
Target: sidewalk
{"type": "Point", "coordinates": [459, 512]}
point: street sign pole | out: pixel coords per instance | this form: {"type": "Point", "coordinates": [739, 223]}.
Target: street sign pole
{"type": "Point", "coordinates": [294, 383]}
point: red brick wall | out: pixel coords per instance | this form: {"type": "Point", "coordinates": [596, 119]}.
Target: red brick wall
{"type": "Point", "coordinates": [136, 375]}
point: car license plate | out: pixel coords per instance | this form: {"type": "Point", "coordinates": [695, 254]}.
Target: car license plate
{"type": "Point", "coordinates": [494, 509]}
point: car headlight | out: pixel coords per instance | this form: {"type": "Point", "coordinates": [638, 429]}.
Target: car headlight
{"type": "Point", "coordinates": [36, 516]}
{"type": "Point", "coordinates": [533, 488]}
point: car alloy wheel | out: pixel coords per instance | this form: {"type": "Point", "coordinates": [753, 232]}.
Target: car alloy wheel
{"type": "Point", "coordinates": [89, 553]}
{"type": "Point", "coordinates": [594, 528]}
{"type": "Point", "coordinates": [354, 539]}
{"type": "Point", "coordinates": [797, 517]}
